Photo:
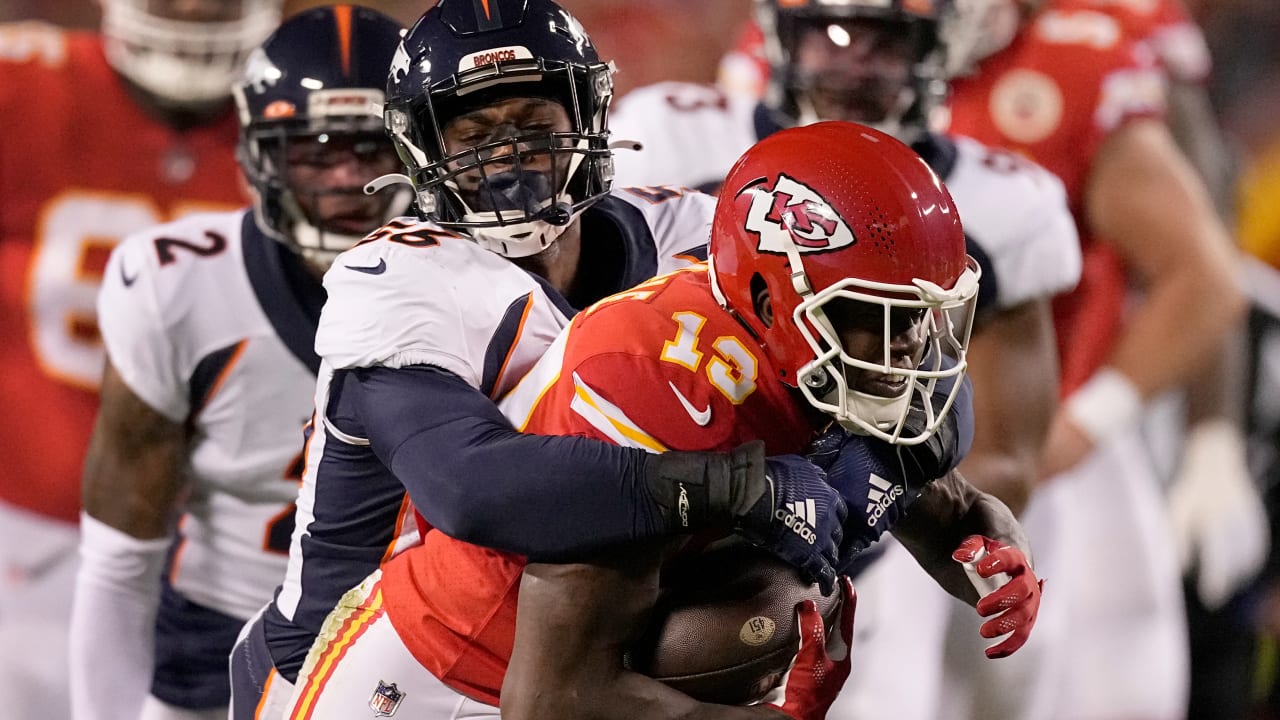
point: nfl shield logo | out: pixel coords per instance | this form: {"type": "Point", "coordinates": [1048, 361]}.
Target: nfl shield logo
{"type": "Point", "coordinates": [385, 700]}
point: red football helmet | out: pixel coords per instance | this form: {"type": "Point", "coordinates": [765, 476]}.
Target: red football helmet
{"type": "Point", "coordinates": [840, 212]}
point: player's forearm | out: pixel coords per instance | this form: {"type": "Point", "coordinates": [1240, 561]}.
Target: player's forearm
{"type": "Point", "coordinates": [117, 593]}
{"type": "Point", "coordinates": [1143, 198]}
{"type": "Point", "coordinates": [477, 479]}
{"type": "Point", "coordinates": [948, 511]}
{"type": "Point", "coordinates": [1182, 321]}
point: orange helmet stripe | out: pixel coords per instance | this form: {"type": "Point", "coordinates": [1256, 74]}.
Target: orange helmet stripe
{"type": "Point", "coordinates": [342, 13]}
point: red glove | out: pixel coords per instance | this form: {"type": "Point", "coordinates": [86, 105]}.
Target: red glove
{"type": "Point", "coordinates": [822, 664]}
{"type": "Point", "coordinates": [1007, 585]}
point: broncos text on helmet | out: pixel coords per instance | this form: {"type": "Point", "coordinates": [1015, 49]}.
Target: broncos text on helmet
{"type": "Point", "coordinates": [515, 190]}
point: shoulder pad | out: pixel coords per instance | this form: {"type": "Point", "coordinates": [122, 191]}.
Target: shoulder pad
{"type": "Point", "coordinates": [1017, 212]}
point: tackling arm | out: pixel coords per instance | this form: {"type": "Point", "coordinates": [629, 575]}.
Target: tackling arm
{"type": "Point", "coordinates": [575, 495]}
{"type": "Point", "coordinates": [132, 489]}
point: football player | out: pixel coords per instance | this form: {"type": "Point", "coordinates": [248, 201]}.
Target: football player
{"type": "Point", "coordinates": [101, 134]}
{"type": "Point", "coordinates": [498, 108]}
{"type": "Point", "coordinates": [209, 324]}
{"type": "Point", "coordinates": [774, 342]}
{"type": "Point", "coordinates": [883, 63]}
{"type": "Point", "coordinates": [1068, 87]}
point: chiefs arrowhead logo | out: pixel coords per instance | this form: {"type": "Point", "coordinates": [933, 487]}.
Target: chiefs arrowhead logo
{"type": "Point", "coordinates": [795, 211]}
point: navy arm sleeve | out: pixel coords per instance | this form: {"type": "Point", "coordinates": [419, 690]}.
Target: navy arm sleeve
{"type": "Point", "coordinates": [476, 478]}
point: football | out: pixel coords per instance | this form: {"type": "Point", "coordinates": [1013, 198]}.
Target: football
{"type": "Point", "coordinates": [724, 630]}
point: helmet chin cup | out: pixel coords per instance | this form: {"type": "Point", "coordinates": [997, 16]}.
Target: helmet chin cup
{"type": "Point", "coordinates": [519, 239]}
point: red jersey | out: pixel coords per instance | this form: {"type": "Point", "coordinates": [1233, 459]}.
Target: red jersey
{"type": "Point", "coordinates": [81, 166]}
{"type": "Point", "coordinates": [660, 367]}
{"type": "Point", "coordinates": [1068, 80]}
{"type": "Point", "coordinates": [1169, 30]}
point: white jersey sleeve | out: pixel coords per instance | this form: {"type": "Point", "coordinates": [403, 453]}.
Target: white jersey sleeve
{"type": "Point", "coordinates": [417, 294]}
{"type": "Point", "coordinates": [1017, 213]}
{"type": "Point", "coordinates": [679, 220]}
{"type": "Point", "coordinates": [691, 134]}
{"type": "Point", "coordinates": [147, 298]}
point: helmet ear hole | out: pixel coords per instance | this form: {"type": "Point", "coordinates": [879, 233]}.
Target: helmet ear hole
{"type": "Point", "coordinates": [762, 302]}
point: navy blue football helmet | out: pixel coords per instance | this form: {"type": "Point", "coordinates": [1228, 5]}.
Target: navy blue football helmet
{"type": "Point", "coordinates": [463, 55]}
{"type": "Point", "coordinates": [870, 94]}
{"type": "Point", "coordinates": [310, 95]}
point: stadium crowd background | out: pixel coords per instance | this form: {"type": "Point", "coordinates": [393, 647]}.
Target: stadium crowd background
{"type": "Point", "coordinates": [657, 40]}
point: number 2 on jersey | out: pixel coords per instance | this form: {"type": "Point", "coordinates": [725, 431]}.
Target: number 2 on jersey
{"type": "Point", "coordinates": [732, 368]}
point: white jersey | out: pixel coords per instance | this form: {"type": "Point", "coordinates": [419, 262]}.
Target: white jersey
{"type": "Point", "coordinates": [200, 319]}
{"type": "Point", "coordinates": [416, 294]}
{"type": "Point", "coordinates": [1013, 211]}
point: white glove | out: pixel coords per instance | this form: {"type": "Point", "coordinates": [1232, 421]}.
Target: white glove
{"type": "Point", "coordinates": [1219, 522]}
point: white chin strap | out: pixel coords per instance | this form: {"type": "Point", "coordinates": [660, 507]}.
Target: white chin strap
{"type": "Point", "coordinates": [537, 236]}
{"type": "Point", "coordinates": [182, 62]}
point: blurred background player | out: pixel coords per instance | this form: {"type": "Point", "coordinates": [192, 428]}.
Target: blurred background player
{"type": "Point", "coordinates": [1197, 434]}
{"type": "Point", "coordinates": [1067, 87]}
{"type": "Point", "coordinates": [498, 108]}
{"type": "Point", "coordinates": [209, 324]}
{"type": "Point", "coordinates": [102, 134]}
{"type": "Point", "coordinates": [883, 64]}
{"type": "Point", "coordinates": [800, 324]}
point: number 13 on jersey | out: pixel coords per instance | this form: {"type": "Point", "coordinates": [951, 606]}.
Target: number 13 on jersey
{"type": "Point", "coordinates": [732, 368]}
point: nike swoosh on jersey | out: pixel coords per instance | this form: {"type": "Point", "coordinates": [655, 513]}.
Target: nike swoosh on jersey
{"type": "Point", "coordinates": [124, 276]}
{"type": "Point", "coordinates": [701, 417]}
{"type": "Point", "coordinates": [378, 269]}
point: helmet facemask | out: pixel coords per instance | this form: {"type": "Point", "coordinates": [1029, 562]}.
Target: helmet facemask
{"type": "Point", "coordinates": [183, 63]}
{"type": "Point", "coordinates": [286, 161]}
{"type": "Point", "coordinates": [923, 336]}
{"type": "Point", "coordinates": [513, 189]}
{"type": "Point", "coordinates": [879, 67]}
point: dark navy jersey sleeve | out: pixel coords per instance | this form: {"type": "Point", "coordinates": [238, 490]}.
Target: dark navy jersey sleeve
{"type": "Point", "coordinates": [476, 478]}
